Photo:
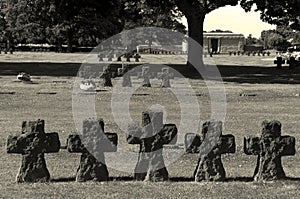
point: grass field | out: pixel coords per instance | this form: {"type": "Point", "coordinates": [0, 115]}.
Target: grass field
{"type": "Point", "coordinates": [242, 75]}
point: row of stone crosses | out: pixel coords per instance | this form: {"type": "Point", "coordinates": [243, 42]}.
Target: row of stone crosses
{"type": "Point", "coordinates": [151, 136]}
{"type": "Point", "coordinates": [106, 74]}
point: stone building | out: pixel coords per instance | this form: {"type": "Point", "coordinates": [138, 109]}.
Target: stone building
{"type": "Point", "coordinates": [223, 42]}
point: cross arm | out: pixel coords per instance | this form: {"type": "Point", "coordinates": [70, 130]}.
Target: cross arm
{"type": "Point", "coordinates": [192, 142]}
{"type": "Point", "coordinates": [288, 145]}
{"type": "Point", "coordinates": [168, 134]}
{"type": "Point", "coordinates": [25, 142]}
{"type": "Point", "coordinates": [106, 144]}
{"type": "Point", "coordinates": [251, 145]}
{"type": "Point", "coordinates": [134, 134]}
{"type": "Point", "coordinates": [74, 144]}
{"type": "Point", "coordinates": [52, 143]}
{"type": "Point", "coordinates": [226, 144]}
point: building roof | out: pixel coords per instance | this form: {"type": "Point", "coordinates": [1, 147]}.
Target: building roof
{"type": "Point", "coordinates": [222, 35]}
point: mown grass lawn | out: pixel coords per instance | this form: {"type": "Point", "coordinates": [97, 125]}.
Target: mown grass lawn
{"type": "Point", "coordinates": [244, 116]}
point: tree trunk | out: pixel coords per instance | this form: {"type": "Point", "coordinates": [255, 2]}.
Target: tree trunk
{"type": "Point", "coordinates": [195, 44]}
{"type": "Point", "coordinates": [195, 14]}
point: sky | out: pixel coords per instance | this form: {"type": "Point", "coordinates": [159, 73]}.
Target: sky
{"type": "Point", "coordinates": [234, 18]}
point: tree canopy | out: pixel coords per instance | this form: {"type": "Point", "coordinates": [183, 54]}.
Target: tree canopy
{"type": "Point", "coordinates": [279, 12]}
{"type": "Point", "coordinates": [87, 22]}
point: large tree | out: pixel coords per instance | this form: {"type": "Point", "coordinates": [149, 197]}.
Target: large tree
{"type": "Point", "coordinates": [59, 22]}
{"type": "Point", "coordinates": [279, 12]}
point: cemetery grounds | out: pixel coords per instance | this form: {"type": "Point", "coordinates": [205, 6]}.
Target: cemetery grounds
{"type": "Point", "coordinates": [255, 91]}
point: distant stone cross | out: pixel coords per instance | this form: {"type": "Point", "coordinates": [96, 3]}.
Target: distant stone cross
{"type": "Point", "coordinates": [270, 147]}
{"type": "Point", "coordinates": [165, 76]}
{"type": "Point", "coordinates": [124, 71]}
{"type": "Point", "coordinates": [210, 166]}
{"type": "Point", "coordinates": [145, 74]}
{"type": "Point", "coordinates": [279, 61]}
{"type": "Point", "coordinates": [32, 144]}
{"type": "Point", "coordinates": [92, 144]}
{"type": "Point", "coordinates": [151, 137]}
{"type": "Point", "coordinates": [106, 76]}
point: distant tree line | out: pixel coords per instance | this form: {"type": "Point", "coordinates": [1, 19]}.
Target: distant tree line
{"type": "Point", "coordinates": [76, 22]}
{"type": "Point", "coordinates": [88, 22]}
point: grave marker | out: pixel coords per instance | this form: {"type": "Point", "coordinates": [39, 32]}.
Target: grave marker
{"type": "Point", "coordinates": [279, 61]}
{"type": "Point", "coordinates": [210, 166]}
{"type": "Point", "coordinates": [270, 147]}
{"type": "Point", "coordinates": [165, 76]}
{"type": "Point", "coordinates": [125, 73]}
{"type": "Point", "coordinates": [292, 62]}
{"type": "Point", "coordinates": [151, 137]}
{"type": "Point", "coordinates": [145, 74]}
{"type": "Point", "coordinates": [92, 145]}
{"type": "Point", "coordinates": [106, 76]}
{"type": "Point", "coordinates": [137, 57]}
{"type": "Point", "coordinates": [101, 57]}
{"type": "Point", "coordinates": [32, 144]}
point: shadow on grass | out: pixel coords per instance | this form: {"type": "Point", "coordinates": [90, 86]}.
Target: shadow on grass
{"type": "Point", "coordinates": [123, 178]}
{"type": "Point", "coordinates": [69, 179]}
{"type": "Point", "coordinates": [239, 179]}
{"type": "Point", "coordinates": [172, 179]}
{"type": "Point", "coordinates": [182, 179]}
{"type": "Point", "coordinates": [229, 73]}
{"type": "Point", "coordinates": [293, 179]}
{"type": "Point", "coordinates": [191, 179]}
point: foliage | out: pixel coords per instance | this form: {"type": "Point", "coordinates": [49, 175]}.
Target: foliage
{"type": "Point", "coordinates": [71, 22]}
{"type": "Point", "coordinates": [280, 12]}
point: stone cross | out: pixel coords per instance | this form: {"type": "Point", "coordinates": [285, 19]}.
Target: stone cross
{"type": "Point", "coordinates": [151, 137]}
{"type": "Point", "coordinates": [292, 62]}
{"type": "Point", "coordinates": [92, 144]}
{"type": "Point", "coordinates": [124, 71]}
{"type": "Point", "coordinates": [279, 61]}
{"type": "Point", "coordinates": [210, 166]}
{"type": "Point", "coordinates": [100, 57]}
{"type": "Point", "coordinates": [32, 144]}
{"type": "Point", "coordinates": [106, 76]}
{"type": "Point", "coordinates": [165, 76]}
{"type": "Point", "coordinates": [145, 74]}
{"type": "Point", "coordinates": [137, 57]}
{"type": "Point", "coordinates": [269, 148]}
{"type": "Point", "coordinates": [127, 56]}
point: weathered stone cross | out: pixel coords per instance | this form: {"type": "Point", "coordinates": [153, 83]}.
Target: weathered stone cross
{"type": "Point", "coordinates": [32, 144]}
{"type": "Point", "coordinates": [92, 144]}
{"type": "Point", "coordinates": [270, 147]}
{"type": "Point", "coordinates": [106, 75]}
{"type": "Point", "coordinates": [145, 74]}
{"type": "Point", "coordinates": [151, 137]}
{"type": "Point", "coordinates": [165, 76]}
{"type": "Point", "coordinates": [211, 145]}
{"type": "Point", "coordinates": [124, 71]}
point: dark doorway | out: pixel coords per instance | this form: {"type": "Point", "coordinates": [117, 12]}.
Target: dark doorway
{"type": "Point", "coordinates": [214, 45]}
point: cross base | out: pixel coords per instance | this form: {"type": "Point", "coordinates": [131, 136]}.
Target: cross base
{"type": "Point", "coordinates": [211, 169]}
{"type": "Point", "coordinates": [38, 171]}
{"type": "Point", "coordinates": [90, 169]}
{"type": "Point", "coordinates": [153, 163]}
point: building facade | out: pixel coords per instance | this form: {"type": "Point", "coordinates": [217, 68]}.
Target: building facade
{"type": "Point", "coordinates": [223, 42]}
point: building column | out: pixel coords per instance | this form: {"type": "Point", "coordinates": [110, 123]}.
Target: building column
{"type": "Point", "coordinates": [219, 45]}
